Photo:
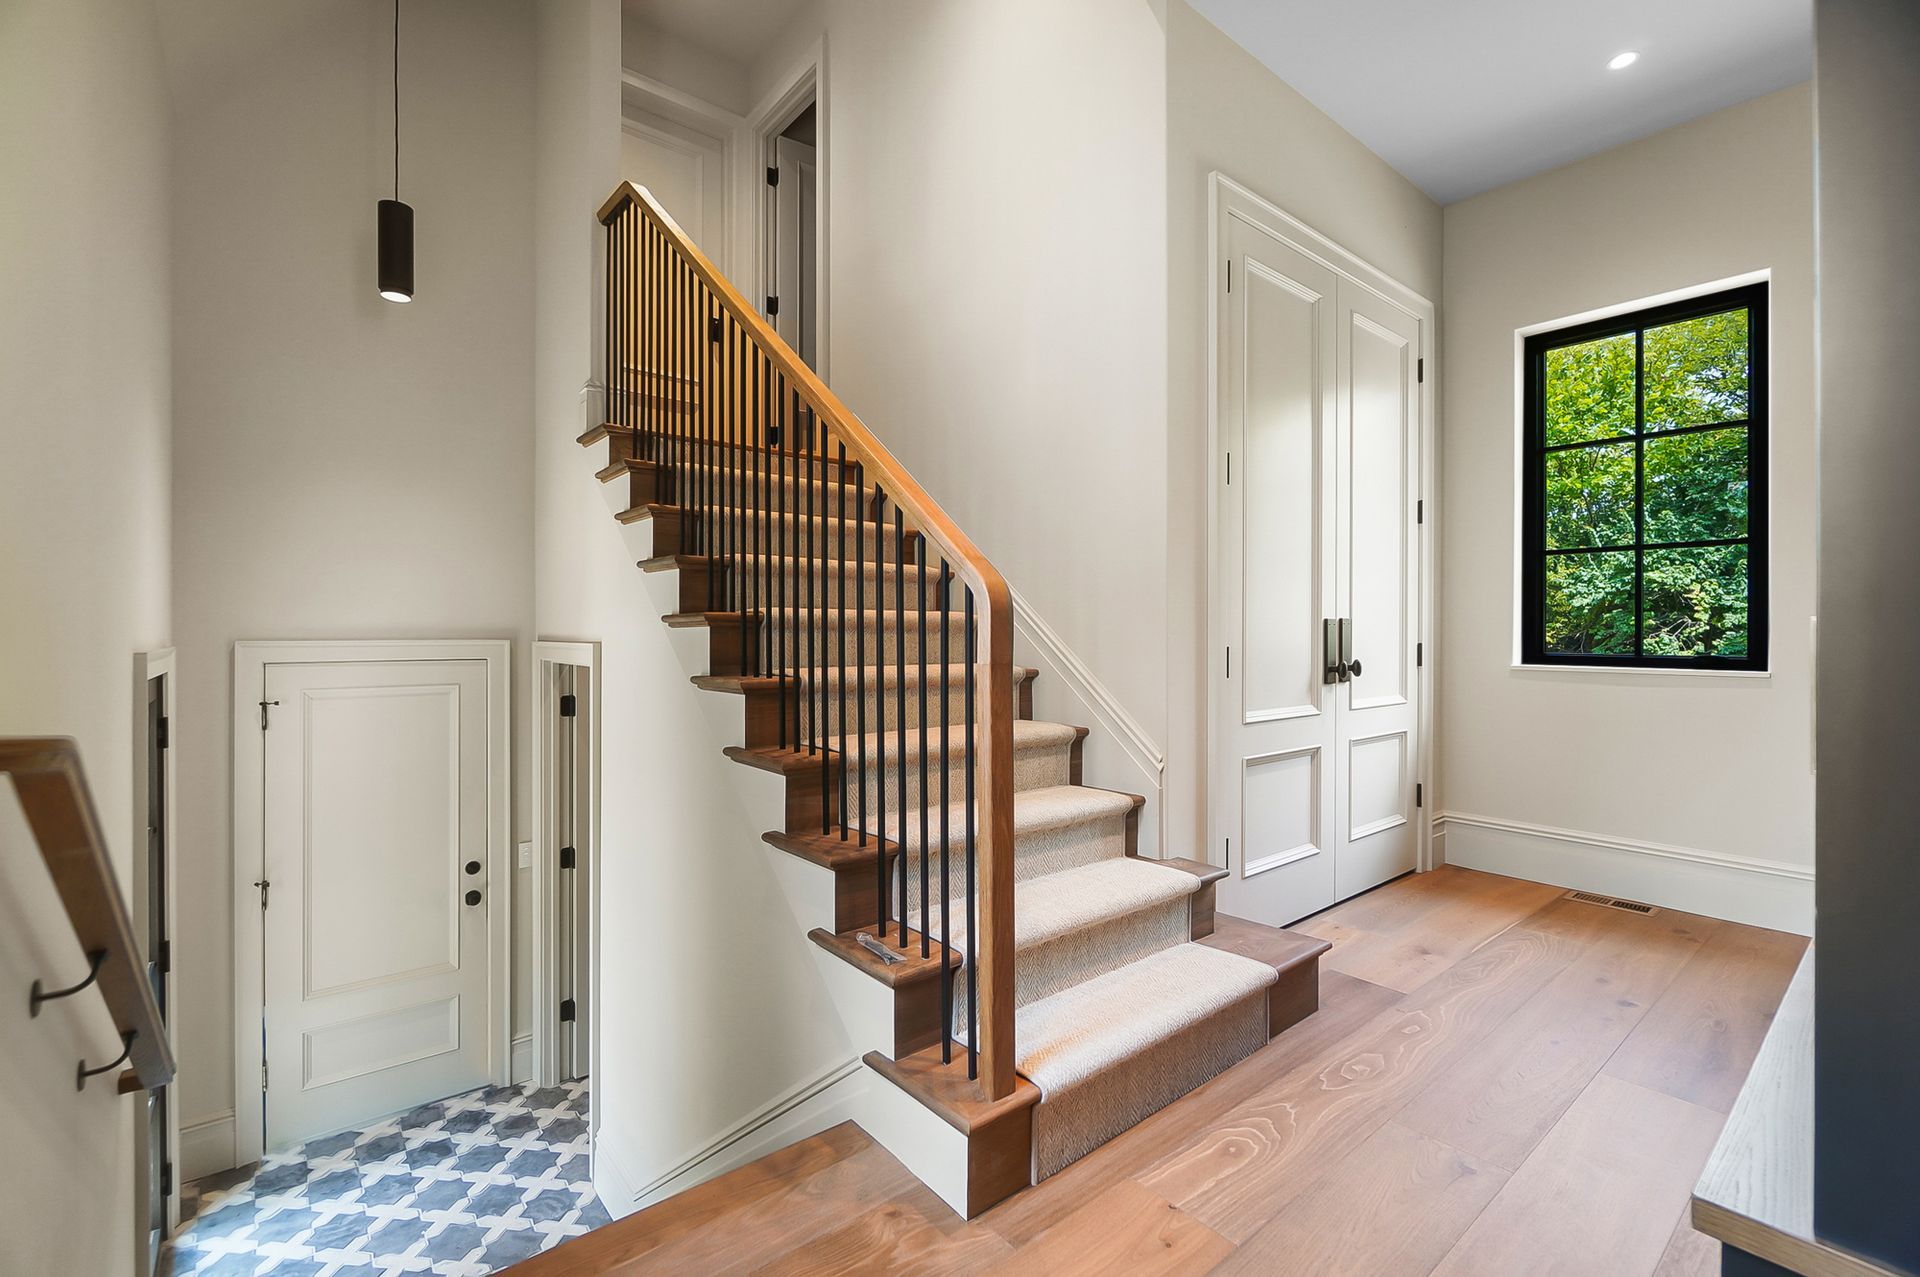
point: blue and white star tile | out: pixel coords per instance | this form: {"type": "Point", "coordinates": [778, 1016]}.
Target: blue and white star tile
{"type": "Point", "coordinates": [461, 1188]}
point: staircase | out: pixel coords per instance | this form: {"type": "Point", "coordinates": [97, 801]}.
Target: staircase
{"type": "Point", "coordinates": [1031, 984]}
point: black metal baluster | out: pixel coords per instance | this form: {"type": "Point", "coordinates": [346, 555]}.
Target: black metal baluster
{"type": "Point", "coordinates": [801, 605]}
{"type": "Point", "coordinates": [840, 700]}
{"type": "Point", "coordinates": [920, 593]}
{"type": "Point", "coordinates": [973, 970]}
{"type": "Point", "coordinates": [900, 709]}
{"type": "Point", "coordinates": [879, 690]}
{"type": "Point", "coordinates": [860, 635]}
{"type": "Point", "coordinates": [946, 802]}
{"type": "Point", "coordinates": [788, 456]}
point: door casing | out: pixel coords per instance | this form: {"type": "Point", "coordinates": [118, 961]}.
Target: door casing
{"type": "Point", "coordinates": [147, 666]}
{"type": "Point", "coordinates": [549, 658]}
{"type": "Point", "coordinates": [1227, 200]}
{"type": "Point", "coordinates": [250, 662]}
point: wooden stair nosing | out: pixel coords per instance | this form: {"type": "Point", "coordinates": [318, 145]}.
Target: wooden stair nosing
{"type": "Point", "coordinates": [895, 975]}
{"type": "Point", "coordinates": [830, 851]}
{"type": "Point", "coordinates": [947, 1091]}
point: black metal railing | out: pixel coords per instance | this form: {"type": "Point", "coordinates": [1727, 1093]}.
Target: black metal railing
{"type": "Point", "coordinates": [794, 517]}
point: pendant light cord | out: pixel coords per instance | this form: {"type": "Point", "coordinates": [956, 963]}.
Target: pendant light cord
{"type": "Point", "coordinates": [396, 99]}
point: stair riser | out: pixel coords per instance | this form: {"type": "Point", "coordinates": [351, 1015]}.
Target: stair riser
{"type": "Point", "coordinates": [770, 715]}
{"type": "Point", "coordinates": [793, 537]}
{"type": "Point", "coordinates": [1045, 969]}
{"type": "Point", "coordinates": [818, 645]}
{"type": "Point", "coordinates": [1066, 1127]}
{"type": "Point", "coordinates": [1037, 768]}
{"type": "Point", "coordinates": [1035, 853]}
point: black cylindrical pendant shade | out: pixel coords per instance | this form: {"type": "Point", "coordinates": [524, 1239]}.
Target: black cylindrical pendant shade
{"type": "Point", "coordinates": [396, 251]}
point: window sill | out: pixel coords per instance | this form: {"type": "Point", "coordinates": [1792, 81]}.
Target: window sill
{"type": "Point", "coordinates": [1638, 672]}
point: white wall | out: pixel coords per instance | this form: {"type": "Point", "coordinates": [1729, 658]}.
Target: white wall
{"type": "Point", "coordinates": [696, 1028]}
{"type": "Point", "coordinates": [84, 455]}
{"type": "Point", "coordinates": [1700, 764]}
{"type": "Point", "coordinates": [1227, 112]}
{"type": "Point", "coordinates": [347, 467]}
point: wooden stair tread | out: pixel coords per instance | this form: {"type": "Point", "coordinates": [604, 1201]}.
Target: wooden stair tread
{"type": "Point", "coordinates": [945, 1090]}
{"type": "Point", "coordinates": [911, 970]}
{"type": "Point", "coordinates": [1280, 949]}
{"type": "Point", "coordinates": [699, 620]}
{"type": "Point", "coordinates": [880, 675]}
{"type": "Point", "coordinates": [1200, 869]}
{"type": "Point", "coordinates": [829, 850]}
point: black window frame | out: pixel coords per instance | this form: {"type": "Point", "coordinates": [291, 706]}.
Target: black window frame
{"type": "Point", "coordinates": [1534, 553]}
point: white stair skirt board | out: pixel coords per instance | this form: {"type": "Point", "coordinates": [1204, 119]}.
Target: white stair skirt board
{"type": "Point", "coordinates": [810, 1108]}
{"type": "Point", "coordinates": [1759, 893]}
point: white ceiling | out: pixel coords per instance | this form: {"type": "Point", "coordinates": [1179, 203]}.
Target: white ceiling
{"type": "Point", "coordinates": [1462, 96]}
{"type": "Point", "coordinates": [736, 30]}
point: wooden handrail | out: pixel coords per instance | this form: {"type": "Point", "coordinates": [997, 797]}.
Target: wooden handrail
{"type": "Point", "coordinates": [59, 809]}
{"type": "Point", "coordinates": [994, 939]}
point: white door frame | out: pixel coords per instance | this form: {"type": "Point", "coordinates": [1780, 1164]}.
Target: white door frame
{"type": "Point", "coordinates": [804, 82]}
{"type": "Point", "coordinates": [642, 94]}
{"type": "Point", "coordinates": [1228, 199]}
{"type": "Point", "coordinates": [584, 658]}
{"type": "Point", "coordinates": [250, 662]}
{"type": "Point", "coordinates": [147, 666]}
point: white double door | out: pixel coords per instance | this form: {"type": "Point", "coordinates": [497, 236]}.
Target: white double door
{"type": "Point", "coordinates": [1316, 689]}
{"type": "Point", "coordinates": [375, 890]}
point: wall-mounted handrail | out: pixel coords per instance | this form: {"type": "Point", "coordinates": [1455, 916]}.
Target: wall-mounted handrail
{"type": "Point", "coordinates": [663, 295]}
{"type": "Point", "coordinates": [59, 809]}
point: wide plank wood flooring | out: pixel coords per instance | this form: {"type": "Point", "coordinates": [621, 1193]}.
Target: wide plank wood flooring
{"type": "Point", "coordinates": [1499, 1081]}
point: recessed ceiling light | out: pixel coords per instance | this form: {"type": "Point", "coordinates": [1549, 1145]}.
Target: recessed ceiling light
{"type": "Point", "coordinates": [1621, 61]}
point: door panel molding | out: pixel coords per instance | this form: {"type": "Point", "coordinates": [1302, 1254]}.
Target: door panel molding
{"type": "Point", "coordinates": [251, 662]}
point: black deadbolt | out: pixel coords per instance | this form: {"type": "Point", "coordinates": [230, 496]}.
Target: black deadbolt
{"type": "Point", "coordinates": [473, 866]}
{"type": "Point", "coordinates": [473, 897]}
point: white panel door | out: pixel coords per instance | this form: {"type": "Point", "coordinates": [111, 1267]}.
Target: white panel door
{"type": "Point", "coordinates": [1378, 414]}
{"type": "Point", "coordinates": [376, 936]}
{"type": "Point", "coordinates": [1275, 746]}
{"type": "Point", "coordinates": [686, 171]}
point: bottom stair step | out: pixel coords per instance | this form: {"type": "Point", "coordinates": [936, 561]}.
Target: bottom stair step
{"type": "Point", "coordinates": [1111, 1052]}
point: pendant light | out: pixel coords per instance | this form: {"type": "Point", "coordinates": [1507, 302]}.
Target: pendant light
{"type": "Point", "coordinates": [396, 219]}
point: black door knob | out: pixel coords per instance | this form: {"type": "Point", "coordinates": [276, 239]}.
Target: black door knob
{"type": "Point", "coordinates": [473, 897]}
{"type": "Point", "coordinates": [1353, 667]}
{"type": "Point", "coordinates": [473, 866]}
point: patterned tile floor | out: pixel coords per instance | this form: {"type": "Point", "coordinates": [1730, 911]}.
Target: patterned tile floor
{"type": "Point", "coordinates": [461, 1188]}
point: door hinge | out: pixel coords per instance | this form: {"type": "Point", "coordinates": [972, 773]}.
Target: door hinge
{"type": "Point", "coordinates": [1229, 274]}
{"type": "Point", "coordinates": [166, 1179]}
{"type": "Point", "coordinates": [773, 175]}
{"type": "Point", "coordinates": [1419, 795]}
{"type": "Point", "coordinates": [263, 1068]}
{"type": "Point", "coordinates": [1420, 511]}
{"type": "Point", "coordinates": [263, 713]}
{"type": "Point", "coordinates": [1419, 655]}
{"type": "Point", "coordinates": [713, 330]}
{"type": "Point", "coordinates": [566, 1011]}
{"type": "Point", "coordinates": [164, 958]}
{"type": "Point", "coordinates": [1229, 469]}
{"type": "Point", "coordinates": [568, 706]}
{"type": "Point", "coordinates": [773, 307]}
{"type": "Point", "coordinates": [162, 732]}
{"type": "Point", "coordinates": [566, 857]}
{"type": "Point", "coordinates": [264, 886]}
{"type": "Point", "coordinates": [1421, 365]}
{"type": "Point", "coordinates": [1229, 853]}
{"type": "Point", "coordinates": [1229, 660]}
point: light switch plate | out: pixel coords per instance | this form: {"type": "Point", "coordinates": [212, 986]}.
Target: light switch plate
{"type": "Point", "coordinates": [526, 855]}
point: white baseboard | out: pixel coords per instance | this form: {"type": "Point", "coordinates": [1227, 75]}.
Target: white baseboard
{"type": "Point", "coordinates": [806, 1110]}
{"type": "Point", "coordinates": [1113, 733]}
{"type": "Point", "coordinates": [520, 1062]}
{"type": "Point", "coordinates": [206, 1147]}
{"type": "Point", "coordinates": [1760, 893]}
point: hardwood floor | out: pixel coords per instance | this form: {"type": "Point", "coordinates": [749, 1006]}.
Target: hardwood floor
{"type": "Point", "coordinates": [1499, 1080]}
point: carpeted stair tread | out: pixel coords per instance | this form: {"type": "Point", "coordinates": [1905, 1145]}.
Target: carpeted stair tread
{"type": "Point", "coordinates": [1029, 735]}
{"type": "Point", "coordinates": [1056, 905]}
{"type": "Point", "coordinates": [1035, 812]}
{"type": "Point", "coordinates": [1071, 1036]}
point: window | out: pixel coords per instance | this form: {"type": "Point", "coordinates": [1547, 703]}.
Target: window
{"type": "Point", "coordinates": [1645, 502]}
